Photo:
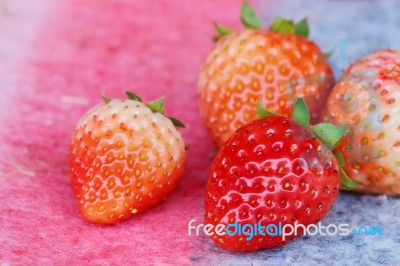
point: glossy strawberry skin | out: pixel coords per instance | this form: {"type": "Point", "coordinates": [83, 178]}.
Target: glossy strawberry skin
{"type": "Point", "coordinates": [258, 65]}
{"type": "Point", "coordinates": [124, 159]}
{"type": "Point", "coordinates": [367, 99]}
{"type": "Point", "coordinates": [271, 170]}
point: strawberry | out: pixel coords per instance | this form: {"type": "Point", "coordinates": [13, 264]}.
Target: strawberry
{"type": "Point", "coordinates": [274, 66]}
{"type": "Point", "coordinates": [125, 157]}
{"type": "Point", "coordinates": [367, 99]}
{"type": "Point", "coordinates": [273, 170]}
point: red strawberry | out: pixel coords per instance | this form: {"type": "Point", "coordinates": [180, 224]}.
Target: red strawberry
{"type": "Point", "coordinates": [273, 66]}
{"type": "Point", "coordinates": [367, 99]}
{"type": "Point", "coordinates": [273, 170]}
{"type": "Point", "coordinates": [125, 157]}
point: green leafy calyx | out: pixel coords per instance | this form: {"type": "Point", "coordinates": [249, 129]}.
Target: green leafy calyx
{"type": "Point", "coordinates": [285, 26]}
{"type": "Point", "coordinates": [302, 28]}
{"type": "Point", "coordinates": [345, 182]}
{"type": "Point", "coordinates": [281, 25]}
{"type": "Point", "coordinates": [250, 20]}
{"type": "Point", "coordinates": [262, 112]}
{"type": "Point", "coordinates": [249, 17]}
{"type": "Point", "coordinates": [176, 122]}
{"type": "Point", "coordinates": [133, 96]}
{"type": "Point", "coordinates": [157, 106]}
{"type": "Point", "coordinates": [340, 158]}
{"type": "Point", "coordinates": [329, 135]}
{"type": "Point", "coordinates": [221, 31]}
{"type": "Point", "coordinates": [106, 99]}
{"type": "Point", "coordinates": [301, 114]}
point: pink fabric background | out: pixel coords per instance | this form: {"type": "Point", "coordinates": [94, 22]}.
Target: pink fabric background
{"type": "Point", "coordinates": [57, 59]}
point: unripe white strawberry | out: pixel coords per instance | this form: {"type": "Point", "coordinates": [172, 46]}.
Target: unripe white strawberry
{"type": "Point", "coordinates": [367, 99]}
{"type": "Point", "coordinates": [125, 157]}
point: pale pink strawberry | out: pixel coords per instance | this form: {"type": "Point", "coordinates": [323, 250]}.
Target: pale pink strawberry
{"type": "Point", "coordinates": [125, 157]}
{"type": "Point", "coordinates": [367, 99]}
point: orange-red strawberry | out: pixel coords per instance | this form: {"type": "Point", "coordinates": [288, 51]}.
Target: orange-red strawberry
{"type": "Point", "coordinates": [125, 157]}
{"type": "Point", "coordinates": [273, 171]}
{"type": "Point", "coordinates": [367, 99]}
{"type": "Point", "coordinates": [273, 66]}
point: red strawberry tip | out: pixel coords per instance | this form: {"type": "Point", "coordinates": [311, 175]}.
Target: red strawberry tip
{"type": "Point", "coordinates": [330, 135]}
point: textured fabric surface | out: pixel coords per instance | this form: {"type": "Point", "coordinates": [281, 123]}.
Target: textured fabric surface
{"type": "Point", "coordinates": [57, 57]}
